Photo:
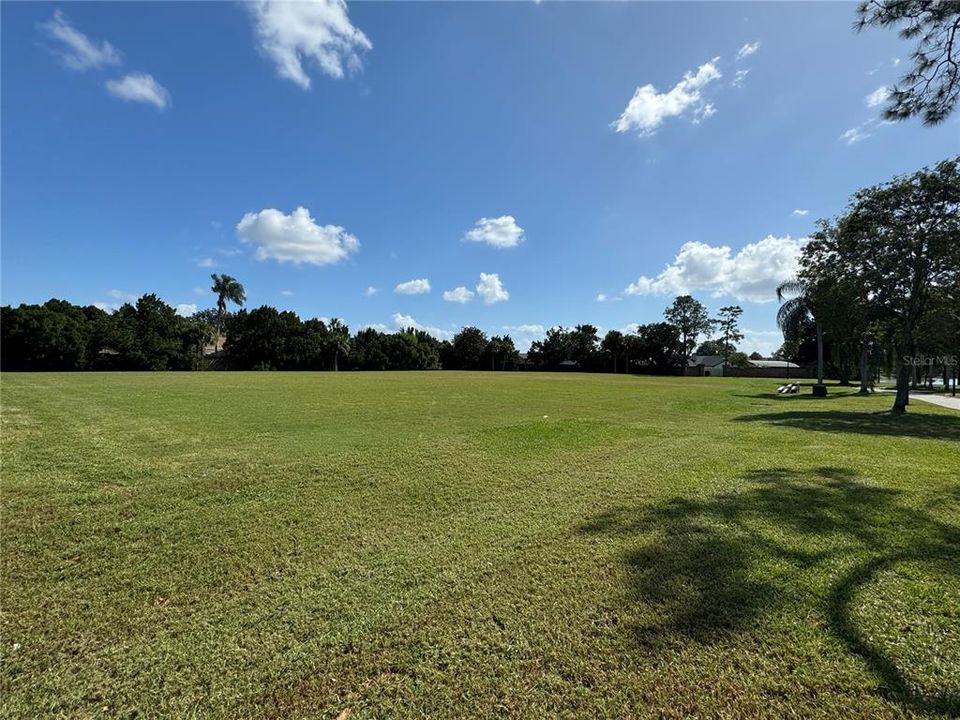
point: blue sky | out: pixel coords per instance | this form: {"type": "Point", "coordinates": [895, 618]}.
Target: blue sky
{"type": "Point", "coordinates": [542, 163]}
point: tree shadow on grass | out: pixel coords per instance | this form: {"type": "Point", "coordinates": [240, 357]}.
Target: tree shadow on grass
{"type": "Point", "coordinates": [943, 427]}
{"type": "Point", "coordinates": [716, 566]}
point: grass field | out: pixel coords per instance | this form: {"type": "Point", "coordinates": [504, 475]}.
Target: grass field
{"type": "Point", "coordinates": [449, 544]}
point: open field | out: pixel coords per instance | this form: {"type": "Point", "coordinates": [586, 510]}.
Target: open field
{"type": "Point", "coordinates": [464, 544]}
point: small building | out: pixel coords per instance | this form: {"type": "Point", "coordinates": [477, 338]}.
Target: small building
{"type": "Point", "coordinates": [705, 366]}
{"type": "Point", "coordinates": [780, 364]}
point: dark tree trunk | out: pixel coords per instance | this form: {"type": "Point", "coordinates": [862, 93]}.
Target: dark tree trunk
{"type": "Point", "coordinates": [819, 354]}
{"type": "Point", "coordinates": [864, 367]}
{"type": "Point", "coordinates": [904, 373]}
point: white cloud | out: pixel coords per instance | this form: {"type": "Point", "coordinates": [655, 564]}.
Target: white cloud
{"type": "Point", "coordinates": [77, 51]}
{"type": "Point", "coordinates": [878, 96]}
{"type": "Point", "coordinates": [501, 232]}
{"type": "Point", "coordinates": [491, 289]}
{"type": "Point", "coordinates": [752, 274]}
{"type": "Point", "coordinates": [601, 297]}
{"type": "Point", "coordinates": [295, 237]}
{"type": "Point", "coordinates": [186, 309]}
{"type": "Point", "coordinates": [123, 296]}
{"type": "Point", "coordinates": [420, 286]}
{"type": "Point", "coordinates": [530, 329]}
{"type": "Point", "coordinates": [140, 87]}
{"type": "Point", "coordinates": [740, 78]}
{"type": "Point", "coordinates": [380, 327]}
{"type": "Point", "coordinates": [286, 293]}
{"type": "Point", "coordinates": [401, 322]}
{"type": "Point", "coordinates": [858, 133]}
{"type": "Point", "coordinates": [765, 342]}
{"type": "Point", "coordinates": [799, 212]}
{"type": "Point", "coordinates": [370, 291]}
{"type": "Point", "coordinates": [747, 50]}
{"type": "Point", "coordinates": [458, 295]}
{"type": "Point", "coordinates": [648, 109]}
{"type": "Point", "coordinates": [206, 262]}
{"type": "Point", "coordinates": [290, 32]}
{"type": "Point", "coordinates": [524, 335]}
{"type": "Point", "coordinates": [107, 307]}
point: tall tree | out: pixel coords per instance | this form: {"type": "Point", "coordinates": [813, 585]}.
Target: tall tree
{"type": "Point", "coordinates": [583, 341]}
{"type": "Point", "coordinates": [227, 289]}
{"type": "Point", "coordinates": [502, 351]}
{"type": "Point", "coordinates": [900, 241]}
{"type": "Point", "coordinates": [612, 346]}
{"type": "Point", "coordinates": [796, 309]}
{"type": "Point", "coordinates": [727, 323]}
{"type": "Point", "coordinates": [932, 86]}
{"type": "Point", "coordinates": [657, 347]}
{"type": "Point", "coordinates": [469, 345]}
{"type": "Point", "coordinates": [691, 319]}
{"type": "Point", "coordinates": [338, 339]}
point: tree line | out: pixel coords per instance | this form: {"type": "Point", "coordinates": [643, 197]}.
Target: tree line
{"type": "Point", "coordinates": [150, 335]}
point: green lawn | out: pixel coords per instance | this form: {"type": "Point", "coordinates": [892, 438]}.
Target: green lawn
{"type": "Point", "coordinates": [239, 545]}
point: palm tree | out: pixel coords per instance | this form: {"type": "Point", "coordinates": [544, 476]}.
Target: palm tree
{"type": "Point", "coordinates": [226, 288]}
{"type": "Point", "coordinates": [339, 339]}
{"type": "Point", "coordinates": [796, 305]}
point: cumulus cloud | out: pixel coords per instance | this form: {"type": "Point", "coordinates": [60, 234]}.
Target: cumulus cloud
{"type": "Point", "coordinates": [295, 237]}
{"type": "Point", "coordinates": [601, 297]}
{"type": "Point", "coordinates": [186, 309]}
{"type": "Point", "coordinates": [402, 322]}
{"type": "Point", "coordinates": [747, 50]}
{"type": "Point", "coordinates": [877, 97]}
{"type": "Point", "coordinates": [206, 262]}
{"type": "Point", "coordinates": [286, 293]}
{"type": "Point", "coordinates": [491, 289]}
{"type": "Point", "coordinates": [458, 295]}
{"type": "Point", "coordinates": [76, 50]}
{"type": "Point", "coordinates": [380, 327]}
{"type": "Point", "coordinates": [800, 213]}
{"type": "Point", "coordinates": [370, 291]}
{"type": "Point", "coordinates": [501, 232]}
{"type": "Point", "coordinates": [648, 109]}
{"type": "Point", "coordinates": [140, 87]}
{"type": "Point", "coordinates": [319, 31]}
{"type": "Point", "coordinates": [740, 78]}
{"type": "Point", "coordinates": [524, 335]}
{"type": "Point", "coordinates": [751, 274]}
{"type": "Point", "coordinates": [420, 286]}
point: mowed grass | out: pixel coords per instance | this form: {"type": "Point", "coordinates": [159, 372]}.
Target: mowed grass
{"type": "Point", "coordinates": [267, 545]}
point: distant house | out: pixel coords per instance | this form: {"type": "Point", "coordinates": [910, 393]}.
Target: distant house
{"type": "Point", "coordinates": [705, 365]}
{"type": "Point", "coordinates": [213, 349]}
{"type": "Point", "coordinates": [713, 366]}
{"type": "Point", "coordinates": [782, 364]}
